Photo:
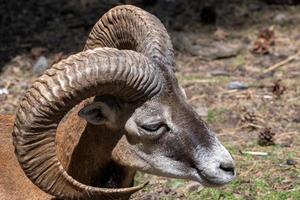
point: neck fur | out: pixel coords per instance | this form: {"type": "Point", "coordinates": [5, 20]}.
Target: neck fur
{"type": "Point", "coordinates": [85, 152]}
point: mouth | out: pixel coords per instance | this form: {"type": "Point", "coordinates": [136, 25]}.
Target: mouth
{"type": "Point", "coordinates": [213, 181]}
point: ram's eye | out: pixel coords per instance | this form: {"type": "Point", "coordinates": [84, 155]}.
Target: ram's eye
{"type": "Point", "coordinates": [152, 127]}
{"type": "Point", "coordinates": [153, 130]}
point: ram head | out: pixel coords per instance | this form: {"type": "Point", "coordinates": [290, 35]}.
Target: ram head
{"type": "Point", "coordinates": [127, 68]}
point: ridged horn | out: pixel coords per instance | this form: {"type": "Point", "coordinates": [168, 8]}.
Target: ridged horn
{"type": "Point", "coordinates": [126, 74]}
{"type": "Point", "coordinates": [129, 27]}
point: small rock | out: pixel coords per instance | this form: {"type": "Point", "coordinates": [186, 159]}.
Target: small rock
{"type": "Point", "coordinates": [219, 72]}
{"type": "Point", "coordinates": [219, 51]}
{"type": "Point", "coordinates": [236, 85]}
{"type": "Point", "coordinates": [3, 91]}
{"type": "Point", "coordinates": [40, 66]}
{"type": "Point", "coordinates": [193, 186]}
{"type": "Point", "coordinates": [280, 19]}
{"type": "Point", "coordinates": [202, 111]}
{"type": "Point", "coordinates": [182, 43]}
{"type": "Point", "coordinates": [291, 162]}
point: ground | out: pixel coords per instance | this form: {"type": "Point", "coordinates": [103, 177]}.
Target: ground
{"type": "Point", "coordinates": [240, 44]}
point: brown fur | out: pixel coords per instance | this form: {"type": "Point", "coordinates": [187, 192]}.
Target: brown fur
{"type": "Point", "coordinates": [87, 152]}
{"type": "Point", "coordinates": [13, 182]}
{"type": "Point", "coordinates": [76, 147]}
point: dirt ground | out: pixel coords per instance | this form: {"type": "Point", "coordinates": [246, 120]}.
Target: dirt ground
{"type": "Point", "coordinates": [238, 61]}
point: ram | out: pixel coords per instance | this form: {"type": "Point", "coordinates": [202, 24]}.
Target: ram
{"type": "Point", "coordinates": [91, 121]}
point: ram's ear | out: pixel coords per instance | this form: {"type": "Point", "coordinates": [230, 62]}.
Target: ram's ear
{"type": "Point", "coordinates": [99, 113]}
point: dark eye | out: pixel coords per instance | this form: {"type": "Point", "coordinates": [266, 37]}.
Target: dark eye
{"type": "Point", "coordinates": [153, 130]}
{"type": "Point", "coordinates": [155, 127]}
{"type": "Point", "coordinates": [152, 127]}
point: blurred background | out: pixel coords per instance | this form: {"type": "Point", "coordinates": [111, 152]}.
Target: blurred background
{"type": "Point", "coordinates": [238, 60]}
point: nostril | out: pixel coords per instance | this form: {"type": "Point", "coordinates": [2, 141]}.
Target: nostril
{"type": "Point", "coordinates": [227, 168]}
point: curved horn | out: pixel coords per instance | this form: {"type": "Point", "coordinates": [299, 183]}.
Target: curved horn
{"type": "Point", "coordinates": [129, 27]}
{"type": "Point", "coordinates": [126, 74]}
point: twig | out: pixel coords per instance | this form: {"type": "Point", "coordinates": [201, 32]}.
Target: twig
{"type": "Point", "coordinates": [254, 153]}
{"type": "Point", "coordinates": [198, 81]}
{"type": "Point", "coordinates": [280, 64]}
{"type": "Point", "coordinates": [249, 125]}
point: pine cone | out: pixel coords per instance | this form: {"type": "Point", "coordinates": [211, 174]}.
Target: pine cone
{"type": "Point", "coordinates": [278, 88]}
{"type": "Point", "coordinates": [265, 39]}
{"type": "Point", "coordinates": [266, 137]}
{"type": "Point", "coordinates": [249, 117]}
